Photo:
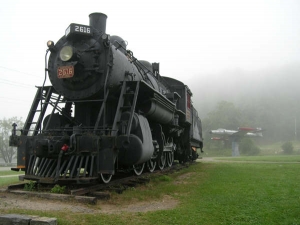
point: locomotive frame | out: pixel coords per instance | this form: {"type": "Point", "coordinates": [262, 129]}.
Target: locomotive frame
{"type": "Point", "coordinates": [110, 112]}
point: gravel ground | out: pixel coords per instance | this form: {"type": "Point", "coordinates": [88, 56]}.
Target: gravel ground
{"type": "Point", "coordinates": [12, 201]}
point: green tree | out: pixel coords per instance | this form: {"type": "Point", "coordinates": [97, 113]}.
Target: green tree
{"type": "Point", "coordinates": [226, 116]}
{"type": "Point", "coordinates": [7, 152]}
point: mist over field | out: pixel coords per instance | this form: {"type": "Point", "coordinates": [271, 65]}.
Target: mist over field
{"type": "Point", "coordinates": [239, 58]}
{"type": "Point", "coordinates": [267, 98]}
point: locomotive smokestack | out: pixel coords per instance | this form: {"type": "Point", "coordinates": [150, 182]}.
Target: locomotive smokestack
{"type": "Point", "coordinates": [98, 21]}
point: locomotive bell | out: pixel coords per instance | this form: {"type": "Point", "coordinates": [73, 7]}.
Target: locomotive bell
{"type": "Point", "coordinates": [50, 45]}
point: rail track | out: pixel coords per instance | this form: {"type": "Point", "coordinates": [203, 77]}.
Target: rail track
{"type": "Point", "coordinates": [90, 193]}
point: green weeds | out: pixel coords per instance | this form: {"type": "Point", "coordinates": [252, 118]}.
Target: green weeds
{"type": "Point", "coordinates": [163, 178]}
{"type": "Point", "coordinates": [58, 189]}
{"type": "Point", "coordinates": [31, 186]}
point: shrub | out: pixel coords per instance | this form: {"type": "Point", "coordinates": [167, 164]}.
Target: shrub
{"type": "Point", "coordinates": [287, 147]}
{"type": "Point", "coordinates": [29, 186]}
{"type": "Point", "coordinates": [247, 147]}
{"type": "Point", "coordinates": [58, 189]}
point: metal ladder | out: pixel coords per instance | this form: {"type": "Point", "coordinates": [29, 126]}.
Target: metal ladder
{"type": "Point", "coordinates": [133, 91]}
{"type": "Point", "coordinates": [38, 101]}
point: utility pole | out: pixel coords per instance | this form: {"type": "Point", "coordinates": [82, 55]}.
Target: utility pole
{"type": "Point", "coordinates": [295, 129]}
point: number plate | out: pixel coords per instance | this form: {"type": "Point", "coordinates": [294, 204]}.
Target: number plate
{"type": "Point", "coordinates": [65, 72]}
{"type": "Point", "coordinates": [78, 29]}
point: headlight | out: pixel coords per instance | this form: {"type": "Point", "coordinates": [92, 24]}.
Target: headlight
{"type": "Point", "coordinates": [66, 53]}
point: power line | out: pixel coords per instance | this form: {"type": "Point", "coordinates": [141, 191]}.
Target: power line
{"type": "Point", "coordinates": [15, 99]}
{"type": "Point", "coordinates": [18, 85]}
{"type": "Point", "coordinates": [15, 83]}
{"type": "Point", "coordinates": [18, 71]}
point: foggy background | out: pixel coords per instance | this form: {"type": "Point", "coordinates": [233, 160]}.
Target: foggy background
{"type": "Point", "coordinates": [245, 53]}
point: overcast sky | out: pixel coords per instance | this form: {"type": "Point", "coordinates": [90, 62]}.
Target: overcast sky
{"type": "Point", "coordinates": [189, 39]}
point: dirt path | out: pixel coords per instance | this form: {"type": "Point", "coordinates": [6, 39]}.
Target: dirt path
{"type": "Point", "coordinates": [14, 201]}
{"type": "Point", "coordinates": [11, 201]}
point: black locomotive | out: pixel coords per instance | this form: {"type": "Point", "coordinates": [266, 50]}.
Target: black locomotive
{"type": "Point", "coordinates": [106, 111]}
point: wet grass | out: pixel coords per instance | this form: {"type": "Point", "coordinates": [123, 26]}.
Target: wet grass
{"type": "Point", "coordinates": [265, 149]}
{"type": "Point", "coordinates": [9, 172]}
{"type": "Point", "coordinates": [5, 181]}
{"type": "Point", "coordinates": [208, 193]}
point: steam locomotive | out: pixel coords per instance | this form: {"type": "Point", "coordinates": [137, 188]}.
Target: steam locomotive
{"type": "Point", "coordinates": [105, 112]}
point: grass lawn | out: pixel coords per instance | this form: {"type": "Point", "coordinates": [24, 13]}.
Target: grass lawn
{"type": "Point", "coordinates": [4, 181]}
{"type": "Point", "coordinates": [217, 150]}
{"type": "Point", "coordinates": [267, 158]}
{"type": "Point", "coordinates": [208, 193]}
{"type": "Point", "coordinates": [9, 172]}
